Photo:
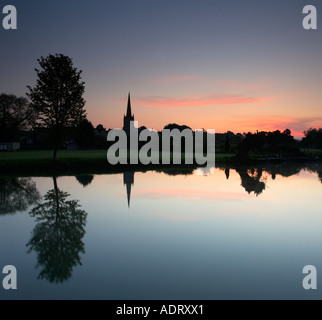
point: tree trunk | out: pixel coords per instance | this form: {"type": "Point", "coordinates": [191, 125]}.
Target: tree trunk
{"type": "Point", "coordinates": [56, 142]}
{"type": "Point", "coordinates": [55, 154]}
{"type": "Point", "coordinates": [56, 196]}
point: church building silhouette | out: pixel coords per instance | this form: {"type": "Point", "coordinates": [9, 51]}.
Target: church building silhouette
{"type": "Point", "coordinates": [128, 177]}
{"type": "Point", "coordinates": [128, 117]}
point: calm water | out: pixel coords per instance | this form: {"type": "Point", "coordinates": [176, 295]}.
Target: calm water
{"type": "Point", "coordinates": [235, 234]}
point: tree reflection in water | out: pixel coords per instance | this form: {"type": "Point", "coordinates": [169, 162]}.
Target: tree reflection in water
{"type": "Point", "coordinates": [17, 194]}
{"type": "Point", "coordinates": [58, 235]}
{"type": "Point", "coordinates": [251, 180]}
{"type": "Point", "coordinates": [85, 180]}
{"type": "Point", "coordinates": [320, 175]}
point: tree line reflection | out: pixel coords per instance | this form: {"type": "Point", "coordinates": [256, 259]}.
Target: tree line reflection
{"type": "Point", "coordinates": [18, 194]}
{"type": "Point", "coordinates": [57, 238]}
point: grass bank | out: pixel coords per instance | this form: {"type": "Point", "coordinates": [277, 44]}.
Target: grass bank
{"type": "Point", "coordinates": [39, 162]}
{"type": "Point", "coordinates": [309, 152]}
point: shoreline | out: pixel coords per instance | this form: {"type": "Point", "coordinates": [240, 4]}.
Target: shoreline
{"type": "Point", "coordinates": [92, 162]}
{"type": "Point", "coordinates": [39, 162]}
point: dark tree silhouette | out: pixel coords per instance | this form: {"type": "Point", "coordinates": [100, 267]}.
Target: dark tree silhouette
{"type": "Point", "coordinates": [15, 114]}
{"type": "Point", "coordinates": [100, 129]}
{"type": "Point", "coordinates": [172, 126]}
{"type": "Point", "coordinates": [313, 138]}
{"type": "Point", "coordinates": [85, 135]}
{"type": "Point", "coordinates": [57, 97]}
{"type": "Point", "coordinates": [227, 144]}
{"type": "Point", "coordinates": [85, 180]}
{"type": "Point", "coordinates": [266, 143]}
{"type": "Point", "coordinates": [58, 235]}
{"type": "Point", "coordinates": [17, 194]}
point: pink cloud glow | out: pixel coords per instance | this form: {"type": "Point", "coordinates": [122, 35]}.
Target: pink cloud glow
{"type": "Point", "coordinates": [195, 101]}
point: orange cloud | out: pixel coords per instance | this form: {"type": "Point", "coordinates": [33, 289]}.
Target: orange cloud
{"type": "Point", "coordinates": [195, 101]}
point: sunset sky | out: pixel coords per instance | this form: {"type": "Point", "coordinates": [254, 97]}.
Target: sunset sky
{"type": "Point", "coordinates": [238, 65]}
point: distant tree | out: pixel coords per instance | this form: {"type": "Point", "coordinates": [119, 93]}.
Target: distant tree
{"type": "Point", "coordinates": [100, 128]}
{"type": "Point", "coordinates": [267, 142]}
{"type": "Point", "coordinates": [313, 138]}
{"type": "Point", "coordinates": [287, 132]}
{"type": "Point", "coordinates": [174, 126]}
{"type": "Point", "coordinates": [15, 114]}
{"type": "Point", "coordinates": [227, 144]}
{"type": "Point", "coordinates": [171, 126]}
{"type": "Point", "coordinates": [85, 135]}
{"type": "Point", "coordinates": [57, 97]}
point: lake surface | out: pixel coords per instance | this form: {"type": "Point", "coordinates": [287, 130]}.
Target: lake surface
{"type": "Point", "coordinates": [235, 234]}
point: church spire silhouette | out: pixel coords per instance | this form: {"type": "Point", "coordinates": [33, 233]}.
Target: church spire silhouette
{"type": "Point", "coordinates": [128, 109]}
{"type": "Point", "coordinates": [128, 117]}
{"type": "Point", "coordinates": [128, 177]}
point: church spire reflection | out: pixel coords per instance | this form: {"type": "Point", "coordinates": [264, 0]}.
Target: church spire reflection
{"type": "Point", "coordinates": [128, 180]}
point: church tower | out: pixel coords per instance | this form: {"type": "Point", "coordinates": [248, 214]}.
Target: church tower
{"type": "Point", "coordinates": [128, 117]}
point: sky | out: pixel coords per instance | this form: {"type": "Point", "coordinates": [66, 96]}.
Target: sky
{"type": "Point", "coordinates": [238, 65]}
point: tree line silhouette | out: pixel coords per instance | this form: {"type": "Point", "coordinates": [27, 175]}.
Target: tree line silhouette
{"type": "Point", "coordinates": [52, 116]}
